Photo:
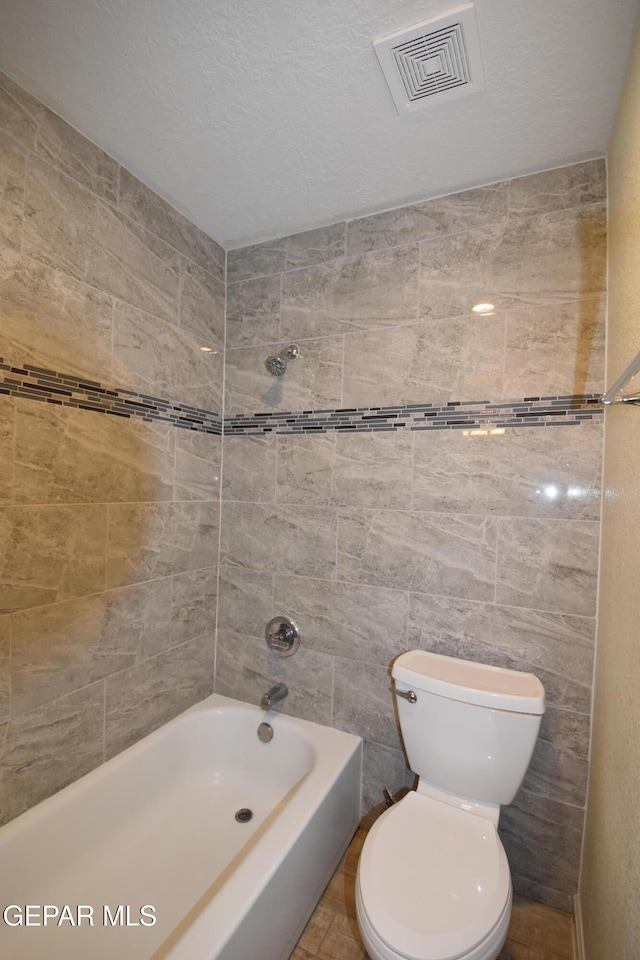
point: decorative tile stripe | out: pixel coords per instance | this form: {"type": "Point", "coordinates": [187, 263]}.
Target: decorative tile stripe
{"type": "Point", "coordinates": [61, 389]}
{"type": "Point", "coordinates": [476, 415]}
{"type": "Point", "coordinates": [36, 383]}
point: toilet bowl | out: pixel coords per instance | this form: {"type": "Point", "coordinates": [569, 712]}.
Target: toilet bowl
{"type": "Point", "coordinates": [433, 883]}
{"type": "Point", "coordinates": [433, 880]}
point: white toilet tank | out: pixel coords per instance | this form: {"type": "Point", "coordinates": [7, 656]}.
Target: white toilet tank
{"type": "Point", "coordinates": [472, 728]}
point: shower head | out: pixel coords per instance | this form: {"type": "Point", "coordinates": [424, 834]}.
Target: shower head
{"type": "Point", "coordinates": [277, 365]}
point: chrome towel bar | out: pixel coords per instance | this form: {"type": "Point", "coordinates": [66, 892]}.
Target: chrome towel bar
{"type": "Point", "coordinates": [610, 396]}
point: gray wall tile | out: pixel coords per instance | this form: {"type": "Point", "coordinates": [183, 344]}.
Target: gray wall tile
{"type": "Point", "coordinates": [361, 293]}
{"type": "Point", "coordinates": [436, 361]}
{"type": "Point", "coordinates": [362, 703]}
{"type": "Point", "coordinates": [520, 472]}
{"type": "Point", "coordinates": [202, 303]}
{"type": "Point", "coordinates": [133, 265]}
{"type": "Point", "coordinates": [62, 146]}
{"type": "Point", "coordinates": [246, 600]}
{"type": "Point", "coordinates": [44, 750]}
{"type": "Point", "coordinates": [249, 469]}
{"type": "Point", "coordinates": [253, 311]}
{"type": "Point", "coordinates": [380, 766]}
{"type": "Point", "coordinates": [246, 670]}
{"type": "Point", "coordinates": [287, 253]}
{"type": "Point", "coordinates": [553, 830]}
{"type": "Point", "coordinates": [292, 539]}
{"type": "Point", "coordinates": [312, 382]}
{"type": "Point", "coordinates": [142, 698]}
{"type": "Point", "coordinates": [62, 647]}
{"type": "Point", "coordinates": [345, 619]}
{"type": "Point", "coordinates": [60, 466]}
{"type": "Point", "coordinates": [198, 460]}
{"type": "Point", "coordinates": [431, 553]}
{"type": "Point", "coordinates": [560, 189]}
{"type": "Point", "coordinates": [150, 210]}
{"type": "Point", "coordinates": [433, 218]}
{"type": "Point", "coordinates": [193, 604]}
{"type": "Point", "coordinates": [158, 359]}
{"type": "Point", "coordinates": [20, 113]}
{"type": "Point", "coordinates": [548, 564]}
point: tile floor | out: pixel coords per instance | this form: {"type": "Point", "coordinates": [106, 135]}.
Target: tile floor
{"type": "Point", "coordinates": [536, 932]}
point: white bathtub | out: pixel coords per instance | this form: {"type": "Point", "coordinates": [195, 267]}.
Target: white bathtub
{"type": "Point", "coordinates": [155, 827]}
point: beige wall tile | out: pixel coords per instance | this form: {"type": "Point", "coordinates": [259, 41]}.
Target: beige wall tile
{"type": "Point", "coordinates": [62, 146]}
{"type": "Point", "coordinates": [435, 361]}
{"type": "Point", "coordinates": [312, 382]}
{"type": "Point", "coordinates": [64, 455]}
{"type": "Point", "coordinates": [202, 303]}
{"type": "Point", "coordinates": [44, 750]}
{"type": "Point", "coordinates": [59, 219]}
{"type": "Point", "coordinates": [249, 469]}
{"type": "Point", "coordinates": [20, 113]}
{"type": "Point", "coordinates": [555, 350]}
{"type": "Point", "coordinates": [287, 253]}
{"type": "Point", "coordinates": [52, 321]}
{"type": "Point", "coordinates": [50, 553]}
{"type": "Point", "coordinates": [253, 312]}
{"type": "Point", "coordinates": [150, 540]}
{"type": "Point", "coordinates": [198, 458]}
{"type": "Point", "coordinates": [158, 359]}
{"type": "Point", "coordinates": [7, 439]}
{"type": "Point", "coordinates": [573, 186]}
{"type": "Point", "coordinates": [12, 176]}
{"type": "Point", "coordinates": [153, 212]}
{"type": "Point", "coordinates": [133, 265]}
{"type": "Point", "coordinates": [5, 667]}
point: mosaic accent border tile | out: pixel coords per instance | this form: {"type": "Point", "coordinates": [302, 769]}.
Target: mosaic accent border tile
{"type": "Point", "coordinates": [474, 415]}
{"type": "Point", "coordinates": [36, 383]}
{"type": "Point", "coordinates": [477, 416]}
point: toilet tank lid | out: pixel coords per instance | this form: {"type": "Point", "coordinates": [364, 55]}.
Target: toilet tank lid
{"type": "Point", "coordinates": [475, 683]}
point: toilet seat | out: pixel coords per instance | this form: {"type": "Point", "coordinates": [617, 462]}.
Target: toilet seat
{"type": "Point", "coordinates": [434, 882]}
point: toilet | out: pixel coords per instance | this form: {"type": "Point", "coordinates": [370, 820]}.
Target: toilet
{"type": "Point", "coordinates": [433, 881]}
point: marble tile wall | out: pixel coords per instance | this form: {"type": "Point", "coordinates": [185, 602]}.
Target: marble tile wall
{"type": "Point", "coordinates": [108, 524]}
{"type": "Point", "coordinates": [481, 546]}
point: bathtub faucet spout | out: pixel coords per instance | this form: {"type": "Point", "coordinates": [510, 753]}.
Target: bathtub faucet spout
{"type": "Point", "coordinates": [274, 695]}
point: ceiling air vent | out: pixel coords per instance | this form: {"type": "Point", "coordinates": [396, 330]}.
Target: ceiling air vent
{"type": "Point", "coordinates": [433, 61]}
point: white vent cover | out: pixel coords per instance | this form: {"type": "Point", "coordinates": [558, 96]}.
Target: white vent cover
{"type": "Point", "coordinates": [433, 61]}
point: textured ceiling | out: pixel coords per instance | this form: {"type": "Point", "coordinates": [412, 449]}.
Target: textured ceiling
{"type": "Point", "coordinates": [258, 119]}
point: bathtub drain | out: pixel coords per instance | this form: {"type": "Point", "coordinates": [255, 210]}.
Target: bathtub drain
{"type": "Point", "coordinates": [244, 815]}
